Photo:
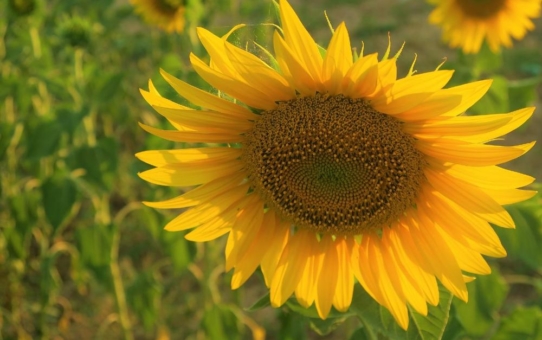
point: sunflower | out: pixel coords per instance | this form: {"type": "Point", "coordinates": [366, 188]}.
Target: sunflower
{"type": "Point", "coordinates": [335, 171]}
{"type": "Point", "coordinates": [165, 14]}
{"type": "Point", "coordinates": [466, 23]}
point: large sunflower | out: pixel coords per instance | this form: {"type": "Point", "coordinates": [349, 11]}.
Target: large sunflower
{"type": "Point", "coordinates": [466, 23]}
{"type": "Point", "coordinates": [165, 14]}
{"type": "Point", "coordinates": [336, 171]}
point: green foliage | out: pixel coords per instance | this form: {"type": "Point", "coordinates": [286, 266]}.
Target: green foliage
{"type": "Point", "coordinates": [81, 257]}
{"type": "Point", "coordinates": [378, 322]}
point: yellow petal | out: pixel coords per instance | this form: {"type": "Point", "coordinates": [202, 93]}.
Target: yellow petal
{"type": "Point", "coordinates": [212, 229]}
{"type": "Point", "coordinates": [202, 120]}
{"type": "Point", "coordinates": [155, 99]}
{"type": "Point", "coordinates": [471, 154]}
{"type": "Point", "coordinates": [205, 99]}
{"type": "Point", "coordinates": [226, 202]}
{"type": "Point", "coordinates": [277, 244]}
{"type": "Point", "coordinates": [300, 41]}
{"type": "Point", "coordinates": [246, 227]}
{"type": "Point", "coordinates": [212, 136]}
{"type": "Point", "coordinates": [254, 255]}
{"type": "Point", "coordinates": [457, 126]}
{"type": "Point", "coordinates": [327, 278]}
{"type": "Point", "coordinates": [200, 194]}
{"type": "Point", "coordinates": [235, 88]}
{"type": "Point", "coordinates": [188, 174]}
{"type": "Point", "coordinates": [489, 177]}
{"type": "Point", "coordinates": [392, 299]}
{"type": "Point", "coordinates": [438, 254]}
{"type": "Point", "coordinates": [290, 267]}
{"type": "Point", "coordinates": [165, 157]}
{"type": "Point", "coordinates": [361, 266]}
{"type": "Point", "coordinates": [509, 196]}
{"type": "Point", "coordinates": [448, 102]}
{"type": "Point", "coordinates": [294, 71]}
{"type": "Point", "coordinates": [259, 75]}
{"type": "Point", "coordinates": [462, 224]}
{"type": "Point", "coordinates": [417, 268]}
{"type": "Point", "coordinates": [402, 280]}
{"type": "Point", "coordinates": [345, 278]}
{"type": "Point", "coordinates": [408, 92]}
{"type": "Point", "coordinates": [338, 59]}
{"type": "Point", "coordinates": [216, 49]}
{"type": "Point", "coordinates": [473, 129]}
{"type": "Point", "coordinates": [467, 259]}
{"type": "Point", "coordinates": [469, 197]}
{"type": "Point", "coordinates": [305, 291]}
{"type": "Point", "coordinates": [361, 79]}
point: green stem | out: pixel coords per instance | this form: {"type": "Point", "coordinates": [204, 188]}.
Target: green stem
{"type": "Point", "coordinates": [119, 287]}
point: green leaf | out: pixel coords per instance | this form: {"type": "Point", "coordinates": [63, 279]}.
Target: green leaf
{"type": "Point", "coordinates": [58, 196]}
{"type": "Point", "coordinates": [486, 295]}
{"type": "Point", "coordinates": [262, 302]}
{"type": "Point", "coordinates": [523, 323]}
{"type": "Point", "coordinates": [95, 244]}
{"type": "Point", "coordinates": [220, 322]}
{"type": "Point", "coordinates": [324, 327]}
{"type": "Point", "coordinates": [6, 133]}
{"type": "Point", "coordinates": [145, 293]}
{"type": "Point", "coordinates": [378, 321]}
{"type": "Point", "coordinates": [496, 99]}
{"type": "Point", "coordinates": [68, 118]}
{"type": "Point", "coordinates": [100, 162]}
{"type": "Point", "coordinates": [360, 334]}
{"type": "Point", "coordinates": [486, 61]}
{"type": "Point", "coordinates": [180, 251]}
{"type": "Point", "coordinates": [311, 311]}
{"type": "Point", "coordinates": [109, 86]}
{"type": "Point", "coordinates": [522, 93]}
{"type": "Point", "coordinates": [44, 140]}
{"type": "Point", "coordinates": [523, 242]}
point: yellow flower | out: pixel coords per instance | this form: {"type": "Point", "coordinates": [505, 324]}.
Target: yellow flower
{"type": "Point", "coordinates": [466, 23]}
{"type": "Point", "coordinates": [165, 14]}
{"type": "Point", "coordinates": [337, 171]}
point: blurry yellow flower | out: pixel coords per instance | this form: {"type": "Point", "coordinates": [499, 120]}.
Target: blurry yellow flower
{"type": "Point", "coordinates": [165, 14]}
{"type": "Point", "coordinates": [466, 23]}
{"type": "Point", "coordinates": [336, 170]}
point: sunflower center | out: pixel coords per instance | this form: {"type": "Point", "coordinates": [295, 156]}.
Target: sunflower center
{"type": "Point", "coordinates": [168, 6]}
{"type": "Point", "coordinates": [481, 8]}
{"type": "Point", "coordinates": [333, 164]}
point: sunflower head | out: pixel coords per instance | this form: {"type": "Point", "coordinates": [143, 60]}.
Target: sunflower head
{"type": "Point", "coordinates": [167, 15]}
{"type": "Point", "coordinates": [22, 7]}
{"type": "Point", "coordinates": [330, 170]}
{"type": "Point", "coordinates": [75, 31]}
{"type": "Point", "coordinates": [466, 24]}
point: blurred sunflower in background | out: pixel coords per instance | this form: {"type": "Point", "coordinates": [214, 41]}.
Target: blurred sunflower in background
{"type": "Point", "coordinates": [467, 23]}
{"type": "Point", "coordinates": [333, 170]}
{"type": "Point", "coordinates": [168, 15]}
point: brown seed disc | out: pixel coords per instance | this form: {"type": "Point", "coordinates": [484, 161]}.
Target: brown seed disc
{"type": "Point", "coordinates": [481, 8]}
{"type": "Point", "coordinates": [333, 164]}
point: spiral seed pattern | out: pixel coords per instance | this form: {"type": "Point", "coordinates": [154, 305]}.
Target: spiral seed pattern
{"type": "Point", "coordinates": [333, 164]}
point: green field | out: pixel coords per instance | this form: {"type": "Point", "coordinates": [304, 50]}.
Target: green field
{"type": "Point", "coordinates": [82, 258]}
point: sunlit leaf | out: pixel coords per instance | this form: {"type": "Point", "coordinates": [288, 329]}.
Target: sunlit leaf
{"type": "Point", "coordinates": [524, 323]}
{"type": "Point", "coordinates": [495, 100]}
{"type": "Point", "coordinates": [220, 322]}
{"type": "Point", "coordinates": [486, 295]}
{"type": "Point", "coordinates": [43, 140]}
{"type": "Point", "coordinates": [378, 321]}
{"type": "Point", "coordinates": [524, 242]}
{"type": "Point", "coordinates": [58, 196]}
{"type": "Point", "coordinates": [262, 302]}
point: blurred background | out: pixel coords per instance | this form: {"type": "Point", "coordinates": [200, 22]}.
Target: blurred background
{"type": "Point", "coordinates": [82, 258]}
